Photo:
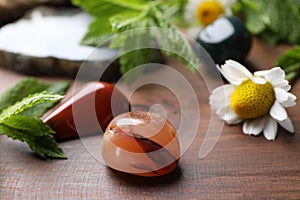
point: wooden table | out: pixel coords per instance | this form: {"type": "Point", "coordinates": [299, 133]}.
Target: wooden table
{"type": "Point", "coordinates": [238, 167]}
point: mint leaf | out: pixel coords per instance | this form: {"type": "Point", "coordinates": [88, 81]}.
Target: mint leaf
{"type": "Point", "coordinates": [18, 119]}
{"type": "Point", "coordinates": [28, 102]}
{"type": "Point", "coordinates": [28, 125]}
{"type": "Point", "coordinates": [99, 31]}
{"type": "Point", "coordinates": [108, 8]}
{"type": "Point", "coordinates": [122, 21]}
{"type": "Point", "coordinates": [20, 90]}
{"type": "Point", "coordinates": [35, 133]}
{"type": "Point", "coordinates": [28, 86]}
{"type": "Point", "coordinates": [274, 22]}
{"type": "Point", "coordinates": [46, 146]}
{"type": "Point", "coordinates": [174, 43]}
{"type": "Point", "coordinates": [40, 109]}
{"type": "Point", "coordinates": [134, 17]}
{"type": "Point", "coordinates": [289, 57]}
{"type": "Point", "coordinates": [59, 87]}
{"type": "Point", "coordinates": [289, 61]}
{"type": "Point", "coordinates": [12, 133]}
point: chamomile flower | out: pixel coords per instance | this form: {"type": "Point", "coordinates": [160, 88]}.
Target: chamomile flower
{"type": "Point", "coordinates": [200, 13]}
{"type": "Point", "coordinates": [258, 100]}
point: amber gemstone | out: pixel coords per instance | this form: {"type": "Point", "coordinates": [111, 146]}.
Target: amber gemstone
{"type": "Point", "coordinates": [141, 143]}
{"type": "Point", "coordinates": [87, 112]}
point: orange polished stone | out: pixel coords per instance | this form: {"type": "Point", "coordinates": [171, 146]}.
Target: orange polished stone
{"type": "Point", "coordinates": [141, 143]}
{"type": "Point", "coordinates": [100, 99]}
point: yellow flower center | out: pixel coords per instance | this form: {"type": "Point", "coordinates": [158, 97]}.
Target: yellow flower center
{"type": "Point", "coordinates": [252, 100]}
{"type": "Point", "coordinates": [208, 11]}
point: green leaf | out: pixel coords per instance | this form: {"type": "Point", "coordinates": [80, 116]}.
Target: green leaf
{"type": "Point", "coordinates": [174, 43]}
{"type": "Point", "coordinates": [108, 8]}
{"type": "Point", "coordinates": [19, 101]}
{"type": "Point", "coordinates": [28, 125]}
{"type": "Point", "coordinates": [255, 24]}
{"type": "Point", "coordinates": [134, 17]}
{"type": "Point", "coordinates": [35, 133]}
{"type": "Point", "coordinates": [102, 11]}
{"type": "Point", "coordinates": [40, 141]}
{"type": "Point", "coordinates": [133, 59]}
{"type": "Point", "coordinates": [120, 22]}
{"type": "Point", "coordinates": [276, 21]}
{"type": "Point", "coordinates": [289, 57]}
{"type": "Point", "coordinates": [99, 31]}
{"type": "Point", "coordinates": [174, 8]}
{"type": "Point", "coordinates": [46, 146]}
{"type": "Point", "coordinates": [12, 133]}
{"type": "Point", "coordinates": [289, 61]}
{"type": "Point", "coordinates": [59, 87]}
{"type": "Point", "coordinates": [297, 3]}
{"type": "Point", "coordinates": [20, 90]}
{"type": "Point", "coordinates": [40, 109]}
{"type": "Point", "coordinates": [29, 102]}
{"type": "Point", "coordinates": [28, 86]}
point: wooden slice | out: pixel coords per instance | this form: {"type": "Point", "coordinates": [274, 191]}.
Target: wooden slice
{"type": "Point", "coordinates": [46, 42]}
{"type": "Point", "coordinates": [11, 10]}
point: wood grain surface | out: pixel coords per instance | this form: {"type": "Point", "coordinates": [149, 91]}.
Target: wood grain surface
{"type": "Point", "coordinates": [238, 167]}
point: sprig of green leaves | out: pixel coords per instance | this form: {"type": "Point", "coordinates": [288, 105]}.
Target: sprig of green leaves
{"type": "Point", "coordinates": [20, 107]}
{"type": "Point", "coordinates": [132, 20]}
{"type": "Point", "coordinates": [274, 21]}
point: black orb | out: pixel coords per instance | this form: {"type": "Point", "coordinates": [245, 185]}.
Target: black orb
{"type": "Point", "coordinates": [226, 38]}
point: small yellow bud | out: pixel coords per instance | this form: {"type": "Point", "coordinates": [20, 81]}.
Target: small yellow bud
{"type": "Point", "coordinates": [209, 11]}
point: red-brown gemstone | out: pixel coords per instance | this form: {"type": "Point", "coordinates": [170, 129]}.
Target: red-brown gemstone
{"type": "Point", "coordinates": [95, 98]}
{"type": "Point", "coordinates": [141, 143]}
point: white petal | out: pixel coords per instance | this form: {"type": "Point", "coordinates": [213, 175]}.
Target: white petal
{"type": "Point", "coordinates": [287, 125]}
{"type": "Point", "coordinates": [258, 80]}
{"type": "Point", "coordinates": [254, 126]}
{"type": "Point", "coordinates": [290, 102]}
{"type": "Point", "coordinates": [261, 73]}
{"type": "Point", "coordinates": [232, 118]}
{"type": "Point", "coordinates": [278, 112]}
{"type": "Point", "coordinates": [285, 98]}
{"type": "Point", "coordinates": [228, 115]}
{"type": "Point", "coordinates": [234, 72]}
{"type": "Point", "coordinates": [286, 87]}
{"type": "Point", "coordinates": [283, 84]}
{"type": "Point", "coordinates": [281, 95]}
{"type": "Point", "coordinates": [190, 11]}
{"type": "Point", "coordinates": [275, 74]}
{"type": "Point", "coordinates": [220, 96]}
{"type": "Point", "coordinates": [270, 129]}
